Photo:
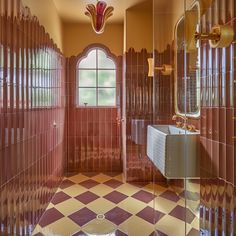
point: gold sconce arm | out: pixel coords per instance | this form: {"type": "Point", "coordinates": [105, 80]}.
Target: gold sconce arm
{"type": "Point", "coordinates": [164, 69]}
{"type": "Point", "coordinates": [211, 36]}
{"type": "Point", "coordinates": [220, 36]}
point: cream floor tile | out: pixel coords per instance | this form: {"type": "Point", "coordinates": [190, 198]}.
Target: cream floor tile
{"type": "Point", "coordinates": [193, 206]}
{"type": "Point", "coordinates": [196, 223]}
{"type": "Point", "coordinates": [101, 178]}
{"type": "Point", "coordinates": [132, 205]}
{"type": "Point", "coordinates": [135, 226]}
{"type": "Point", "coordinates": [128, 189]}
{"type": "Point", "coordinates": [58, 190]}
{"type": "Point", "coordinates": [155, 188]}
{"type": "Point", "coordinates": [171, 226]}
{"type": "Point", "coordinates": [75, 190]}
{"type": "Point", "coordinates": [181, 202]}
{"type": "Point", "coordinates": [70, 206]}
{"type": "Point", "coordinates": [120, 177]}
{"type": "Point", "coordinates": [50, 205]}
{"type": "Point", "coordinates": [101, 190]}
{"type": "Point", "coordinates": [37, 229]}
{"type": "Point", "coordinates": [62, 227]}
{"type": "Point", "coordinates": [99, 227]}
{"type": "Point", "coordinates": [163, 205]}
{"type": "Point", "coordinates": [101, 206]}
{"type": "Point", "coordinates": [78, 178]}
{"type": "Point", "coordinates": [193, 187]}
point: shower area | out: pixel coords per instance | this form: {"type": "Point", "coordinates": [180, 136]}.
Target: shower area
{"type": "Point", "coordinates": [163, 137]}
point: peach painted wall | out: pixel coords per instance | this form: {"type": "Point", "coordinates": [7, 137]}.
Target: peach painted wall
{"type": "Point", "coordinates": [139, 26]}
{"type": "Point", "coordinates": [77, 36]}
{"type": "Point", "coordinates": [169, 12]}
{"type": "Point", "coordinates": [48, 16]}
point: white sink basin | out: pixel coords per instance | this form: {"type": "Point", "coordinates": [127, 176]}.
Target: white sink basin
{"type": "Point", "coordinates": [174, 151]}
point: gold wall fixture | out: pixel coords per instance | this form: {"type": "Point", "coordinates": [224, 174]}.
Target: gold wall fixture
{"type": "Point", "coordinates": [164, 69]}
{"type": "Point", "coordinates": [220, 36]}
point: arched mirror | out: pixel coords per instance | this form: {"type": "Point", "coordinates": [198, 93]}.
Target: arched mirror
{"type": "Point", "coordinates": [187, 63]}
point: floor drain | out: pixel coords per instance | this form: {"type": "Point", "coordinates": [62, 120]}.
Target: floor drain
{"type": "Point", "coordinates": [100, 217]}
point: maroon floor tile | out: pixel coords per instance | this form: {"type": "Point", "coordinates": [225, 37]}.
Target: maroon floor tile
{"type": "Point", "coordinates": [117, 215]}
{"type": "Point", "coordinates": [66, 184]}
{"type": "Point", "coordinates": [60, 197]}
{"type": "Point", "coordinates": [193, 232]}
{"type": "Point", "coordinates": [113, 183]}
{"type": "Point", "coordinates": [150, 215]}
{"type": "Point", "coordinates": [183, 214]}
{"type": "Point", "coordinates": [50, 216]}
{"type": "Point", "coordinates": [89, 183]}
{"type": "Point", "coordinates": [80, 233]}
{"type": "Point", "coordinates": [170, 195]}
{"type": "Point", "coordinates": [82, 216]}
{"type": "Point", "coordinates": [144, 196]}
{"type": "Point", "coordinates": [115, 197]}
{"type": "Point", "coordinates": [157, 233]}
{"type": "Point", "coordinates": [120, 233]}
{"type": "Point", "coordinates": [87, 197]}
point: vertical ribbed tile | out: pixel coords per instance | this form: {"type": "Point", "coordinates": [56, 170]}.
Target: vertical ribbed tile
{"type": "Point", "coordinates": [32, 149]}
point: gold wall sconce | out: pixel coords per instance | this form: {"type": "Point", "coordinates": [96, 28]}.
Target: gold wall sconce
{"type": "Point", "coordinates": [220, 36]}
{"type": "Point", "coordinates": [164, 69]}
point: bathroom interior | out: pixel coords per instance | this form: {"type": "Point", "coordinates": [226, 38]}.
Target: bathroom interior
{"type": "Point", "coordinates": [121, 128]}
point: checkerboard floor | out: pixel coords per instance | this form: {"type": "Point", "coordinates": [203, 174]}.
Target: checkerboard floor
{"type": "Point", "coordinates": [102, 204]}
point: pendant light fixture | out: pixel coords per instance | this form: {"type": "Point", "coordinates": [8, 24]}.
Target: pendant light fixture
{"type": "Point", "coordinates": [98, 15]}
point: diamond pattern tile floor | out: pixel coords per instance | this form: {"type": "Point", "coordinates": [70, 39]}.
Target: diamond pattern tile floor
{"type": "Point", "coordinates": [132, 208]}
{"type": "Point", "coordinates": [113, 183]}
{"type": "Point", "coordinates": [50, 216]}
{"type": "Point", "coordinates": [144, 196]}
{"type": "Point", "coordinates": [66, 183]}
{"type": "Point", "coordinates": [115, 197]}
{"type": "Point", "coordinates": [83, 216]}
{"type": "Point", "coordinates": [90, 183]}
{"type": "Point", "coordinates": [87, 197]}
{"type": "Point", "coordinates": [60, 197]}
{"type": "Point", "coordinates": [117, 215]}
{"type": "Point", "coordinates": [150, 215]}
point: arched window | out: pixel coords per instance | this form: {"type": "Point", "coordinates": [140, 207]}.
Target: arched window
{"type": "Point", "coordinates": [96, 79]}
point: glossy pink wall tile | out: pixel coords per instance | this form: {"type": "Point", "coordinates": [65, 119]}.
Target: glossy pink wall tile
{"type": "Point", "coordinates": [94, 133]}
{"type": "Point", "coordinates": [32, 114]}
{"type": "Point", "coordinates": [218, 126]}
{"type": "Point", "coordinates": [139, 114]}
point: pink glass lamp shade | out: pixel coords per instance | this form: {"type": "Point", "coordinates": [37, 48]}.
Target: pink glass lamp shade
{"type": "Point", "coordinates": [99, 15]}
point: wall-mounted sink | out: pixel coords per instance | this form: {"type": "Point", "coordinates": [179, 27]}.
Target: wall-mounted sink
{"type": "Point", "coordinates": [174, 151]}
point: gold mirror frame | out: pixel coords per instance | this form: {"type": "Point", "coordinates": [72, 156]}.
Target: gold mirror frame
{"type": "Point", "coordinates": [188, 49]}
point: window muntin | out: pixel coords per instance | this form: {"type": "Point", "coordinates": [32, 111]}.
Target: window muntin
{"type": "Point", "coordinates": [96, 80]}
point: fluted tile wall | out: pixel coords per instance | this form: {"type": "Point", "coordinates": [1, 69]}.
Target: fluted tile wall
{"type": "Point", "coordinates": [139, 114]}
{"type": "Point", "coordinates": [218, 164]}
{"type": "Point", "coordinates": [32, 114]}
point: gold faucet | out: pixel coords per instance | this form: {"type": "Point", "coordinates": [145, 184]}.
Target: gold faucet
{"type": "Point", "coordinates": [179, 116]}
{"type": "Point", "coordinates": [184, 125]}
{"type": "Point", "coordinates": [180, 124]}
